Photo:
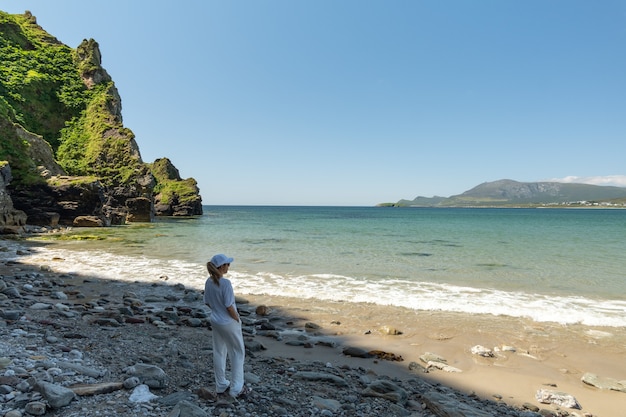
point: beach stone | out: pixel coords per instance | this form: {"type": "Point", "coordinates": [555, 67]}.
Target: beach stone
{"type": "Point", "coordinates": [59, 295]}
{"type": "Point", "coordinates": [251, 378]}
{"type": "Point", "coordinates": [134, 320]}
{"type": "Point", "coordinates": [561, 399]}
{"type": "Point", "coordinates": [132, 382]}
{"type": "Point", "coordinates": [142, 394]}
{"type": "Point", "coordinates": [414, 366]}
{"type": "Point", "coordinates": [442, 366]}
{"type": "Point", "coordinates": [482, 351]}
{"type": "Point", "coordinates": [267, 326]}
{"type": "Point", "coordinates": [81, 369]}
{"type": "Point", "coordinates": [4, 362]}
{"type": "Point", "coordinates": [445, 406]}
{"type": "Point", "coordinates": [176, 397]}
{"type": "Point", "coordinates": [263, 310]}
{"type": "Point", "coordinates": [311, 326]}
{"type": "Point", "coordinates": [603, 382]}
{"type": "Point", "coordinates": [357, 352]}
{"type": "Point", "coordinates": [170, 315]}
{"type": "Point", "coordinates": [326, 404]}
{"type": "Point", "coordinates": [505, 348]}
{"type": "Point", "coordinates": [388, 390]}
{"type": "Point", "coordinates": [254, 345]}
{"type": "Point", "coordinates": [328, 342]}
{"type": "Point", "coordinates": [321, 376]}
{"type": "Point", "coordinates": [389, 356]}
{"type": "Point", "coordinates": [187, 409]}
{"type": "Point", "coordinates": [390, 331]}
{"type": "Point", "coordinates": [531, 407]}
{"type": "Point", "coordinates": [295, 342]}
{"type": "Point", "coordinates": [106, 322]}
{"type": "Point", "coordinates": [56, 395]}
{"type": "Point", "coordinates": [88, 221]}
{"type": "Point", "coordinates": [432, 357]}
{"type": "Point", "coordinates": [194, 322]}
{"type": "Point", "coordinates": [126, 311]}
{"type": "Point", "coordinates": [150, 375]}
{"type": "Point", "coordinates": [24, 386]}
{"type": "Point", "coordinates": [11, 314]}
{"type": "Point", "coordinates": [35, 408]}
{"type": "Point", "coordinates": [12, 292]}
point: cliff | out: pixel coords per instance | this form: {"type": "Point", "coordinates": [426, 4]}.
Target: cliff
{"type": "Point", "coordinates": [73, 162]}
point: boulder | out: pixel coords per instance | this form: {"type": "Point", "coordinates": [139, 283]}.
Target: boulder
{"type": "Point", "coordinates": [139, 210]}
{"type": "Point", "coordinates": [603, 382]}
{"type": "Point", "coordinates": [60, 200]}
{"type": "Point", "coordinates": [150, 375]}
{"type": "Point", "coordinates": [561, 399]}
{"type": "Point", "coordinates": [56, 395]}
{"type": "Point", "coordinates": [88, 221]}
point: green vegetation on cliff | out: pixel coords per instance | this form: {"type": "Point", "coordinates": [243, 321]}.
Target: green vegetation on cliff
{"type": "Point", "coordinates": [63, 96]}
{"type": "Point", "coordinates": [39, 86]}
{"type": "Point", "coordinates": [96, 143]}
{"type": "Point", "coordinates": [170, 187]}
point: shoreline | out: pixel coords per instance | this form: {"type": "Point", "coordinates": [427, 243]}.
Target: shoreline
{"type": "Point", "coordinates": [547, 355]}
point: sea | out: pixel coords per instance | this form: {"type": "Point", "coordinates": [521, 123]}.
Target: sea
{"type": "Point", "coordinates": [548, 265]}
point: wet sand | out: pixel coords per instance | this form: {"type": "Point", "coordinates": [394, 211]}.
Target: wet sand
{"type": "Point", "coordinates": [547, 355]}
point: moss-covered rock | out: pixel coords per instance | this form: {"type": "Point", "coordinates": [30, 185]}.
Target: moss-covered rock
{"type": "Point", "coordinates": [174, 196]}
{"type": "Point", "coordinates": [61, 115]}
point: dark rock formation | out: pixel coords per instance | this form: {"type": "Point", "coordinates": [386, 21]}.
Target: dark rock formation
{"type": "Point", "coordinates": [10, 218]}
{"type": "Point", "coordinates": [61, 200]}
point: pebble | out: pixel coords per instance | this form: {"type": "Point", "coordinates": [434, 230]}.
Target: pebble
{"type": "Point", "coordinates": [67, 349]}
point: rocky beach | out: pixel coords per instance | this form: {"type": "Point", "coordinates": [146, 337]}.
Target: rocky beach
{"type": "Point", "coordinates": [74, 345]}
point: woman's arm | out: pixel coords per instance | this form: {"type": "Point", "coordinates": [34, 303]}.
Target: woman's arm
{"type": "Point", "coordinates": [233, 312]}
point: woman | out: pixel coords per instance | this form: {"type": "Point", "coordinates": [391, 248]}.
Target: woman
{"type": "Point", "coordinates": [226, 324]}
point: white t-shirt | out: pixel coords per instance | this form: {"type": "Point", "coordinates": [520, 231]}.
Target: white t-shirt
{"type": "Point", "coordinates": [218, 298]}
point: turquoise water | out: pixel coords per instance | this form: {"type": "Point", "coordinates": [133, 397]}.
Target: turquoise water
{"type": "Point", "coordinates": [563, 265]}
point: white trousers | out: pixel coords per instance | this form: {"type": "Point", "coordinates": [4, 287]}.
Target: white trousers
{"type": "Point", "coordinates": [228, 342]}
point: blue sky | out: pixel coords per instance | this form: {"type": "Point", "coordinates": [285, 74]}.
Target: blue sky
{"type": "Point", "coordinates": [334, 102]}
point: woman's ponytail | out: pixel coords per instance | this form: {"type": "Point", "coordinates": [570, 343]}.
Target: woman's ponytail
{"type": "Point", "coordinates": [214, 272]}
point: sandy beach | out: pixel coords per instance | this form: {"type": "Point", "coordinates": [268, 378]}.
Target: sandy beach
{"type": "Point", "coordinates": [528, 356]}
{"type": "Point", "coordinates": [546, 356]}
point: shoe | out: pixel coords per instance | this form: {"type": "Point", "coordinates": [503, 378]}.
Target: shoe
{"type": "Point", "coordinates": [245, 391]}
{"type": "Point", "coordinates": [225, 392]}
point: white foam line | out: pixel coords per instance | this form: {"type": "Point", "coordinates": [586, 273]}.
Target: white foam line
{"type": "Point", "coordinates": [403, 293]}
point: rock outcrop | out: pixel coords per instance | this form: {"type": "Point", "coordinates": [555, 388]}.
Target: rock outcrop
{"type": "Point", "coordinates": [61, 131]}
{"type": "Point", "coordinates": [40, 152]}
{"type": "Point", "coordinates": [10, 218]}
{"type": "Point", "coordinates": [173, 195]}
{"type": "Point", "coordinates": [61, 200]}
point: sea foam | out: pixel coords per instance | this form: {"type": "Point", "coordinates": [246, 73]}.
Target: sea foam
{"type": "Point", "coordinates": [425, 296]}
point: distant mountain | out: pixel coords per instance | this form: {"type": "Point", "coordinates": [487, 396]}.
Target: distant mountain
{"type": "Point", "coordinates": [509, 193]}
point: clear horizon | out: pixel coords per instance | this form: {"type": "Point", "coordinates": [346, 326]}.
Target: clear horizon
{"type": "Point", "coordinates": [362, 102]}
